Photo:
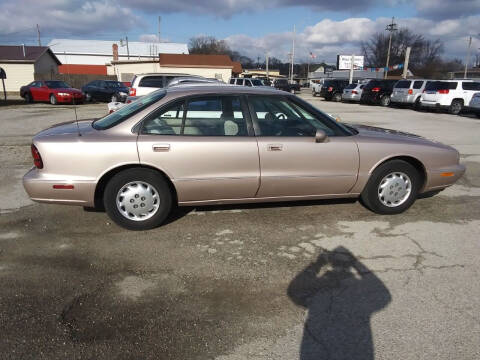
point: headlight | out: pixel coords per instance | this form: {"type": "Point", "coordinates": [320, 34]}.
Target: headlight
{"type": "Point", "coordinates": [64, 94]}
{"type": "Point", "coordinates": [123, 93]}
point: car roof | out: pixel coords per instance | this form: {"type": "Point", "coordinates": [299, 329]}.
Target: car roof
{"type": "Point", "coordinates": [165, 74]}
{"type": "Point", "coordinates": [209, 88]}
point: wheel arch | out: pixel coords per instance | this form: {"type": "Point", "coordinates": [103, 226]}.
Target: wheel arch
{"type": "Point", "coordinates": [105, 178]}
{"type": "Point", "coordinates": [417, 164]}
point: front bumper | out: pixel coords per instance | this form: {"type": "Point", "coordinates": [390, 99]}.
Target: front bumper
{"type": "Point", "coordinates": [441, 178]}
{"type": "Point", "coordinates": [79, 98]}
{"type": "Point", "coordinates": [40, 188]}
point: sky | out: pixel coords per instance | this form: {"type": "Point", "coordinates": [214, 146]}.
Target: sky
{"type": "Point", "coordinates": [252, 27]}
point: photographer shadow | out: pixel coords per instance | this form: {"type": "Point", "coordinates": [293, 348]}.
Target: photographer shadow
{"type": "Point", "coordinates": [341, 295]}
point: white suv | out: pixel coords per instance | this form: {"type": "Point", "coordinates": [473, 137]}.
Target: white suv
{"type": "Point", "coordinates": [144, 84]}
{"type": "Point", "coordinates": [452, 95]}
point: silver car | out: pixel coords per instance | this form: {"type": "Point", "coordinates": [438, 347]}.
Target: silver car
{"type": "Point", "coordinates": [352, 92]}
{"type": "Point", "coordinates": [474, 104]}
{"type": "Point", "coordinates": [408, 92]}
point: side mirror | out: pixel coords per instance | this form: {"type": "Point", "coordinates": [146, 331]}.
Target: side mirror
{"type": "Point", "coordinates": [320, 136]}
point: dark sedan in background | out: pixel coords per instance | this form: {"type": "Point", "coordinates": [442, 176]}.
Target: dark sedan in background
{"type": "Point", "coordinates": [378, 92]}
{"type": "Point", "coordinates": [53, 91]}
{"type": "Point", "coordinates": [105, 90]}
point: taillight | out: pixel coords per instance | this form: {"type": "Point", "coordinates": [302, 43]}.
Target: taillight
{"type": "Point", "coordinates": [376, 89]}
{"type": "Point", "coordinates": [354, 92]}
{"type": "Point", "coordinates": [133, 92]}
{"type": "Point", "coordinates": [443, 91]}
{"type": "Point", "coordinates": [37, 159]}
{"type": "Point", "coordinates": [330, 88]}
{"type": "Point", "coordinates": [410, 91]}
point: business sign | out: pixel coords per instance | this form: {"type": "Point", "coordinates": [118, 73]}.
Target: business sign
{"type": "Point", "coordinates": [344, 62]}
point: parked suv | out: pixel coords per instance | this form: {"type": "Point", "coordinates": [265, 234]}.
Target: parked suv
{"type": "Point", "coordinates": [105, 90]}
{"type": "Point", "coordinates": [332, 89]}
{"type": "Point", "coordinates": [377, 92]}
{"type": "Point", "coordinates": [285, 85]}
{"type": "Point", "coordinates": [247, 82]}
{"type": "Point", "coordinates": [408, 92]}
{"type": "Point", "coordinates": [474, 105]}
{"type": "Point", "coordinates": [144, 84]}
{"type": "Point", "coordinates": [452, 95]}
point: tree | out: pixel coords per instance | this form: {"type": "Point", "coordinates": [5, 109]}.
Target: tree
{"type": "Point", "coordinates": [208, 45]}
{"type": "Point", "coordinates": [424, 54]}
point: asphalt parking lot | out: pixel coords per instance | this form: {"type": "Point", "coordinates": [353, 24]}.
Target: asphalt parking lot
{"type": "Point", "coordinates": [315, 280]}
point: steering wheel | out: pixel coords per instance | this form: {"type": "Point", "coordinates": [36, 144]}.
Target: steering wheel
{"type": "Point", "coordinates": [281, 116]}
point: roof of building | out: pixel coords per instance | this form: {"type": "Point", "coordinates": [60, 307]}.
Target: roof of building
{"type": "Point", "coordinates": [104, 47]}
{"type": "Point", "coordinates": [14, 53]}
{"type": "Point", "coordinates": [237, 67]}
{"type": "Point", "coordinates": [196, 60]}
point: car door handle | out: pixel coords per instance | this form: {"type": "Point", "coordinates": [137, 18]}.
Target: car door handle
{"type": "Point", "coordinates": [275, 147]}
{"type": "Point", "coordinates": [160, 147]}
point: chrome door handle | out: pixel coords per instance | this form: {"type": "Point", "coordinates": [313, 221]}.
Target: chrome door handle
{"type": "Point", "coordinates": [275, 147]}
{"type": "Point", "coordinates": [160, 147]}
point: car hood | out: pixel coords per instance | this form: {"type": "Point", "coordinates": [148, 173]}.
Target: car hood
{"type": "Point", "coordinates": [68, 128]}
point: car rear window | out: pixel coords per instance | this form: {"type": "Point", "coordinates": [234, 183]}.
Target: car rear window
{"type": "Point", "coordinates": [417, 84]}
{"type": "Point", "coordinates": [471, 86]}
{"type": "Point", "coordinates": [127, 111]}
{"type": "Point", "coordinates": [441, 85]}
{"type": "Point", "coordinates": [151, 81]}
{"type": "Point", "coordinates": [351, 86]}
{"type": "Point", "coordinates": [403, 84]}
{"type": "Point", "coordinates": [372, 83]}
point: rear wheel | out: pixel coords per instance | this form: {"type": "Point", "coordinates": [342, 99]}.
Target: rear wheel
{"type": "Point", "coordinates": [456, 107]}
{"type": "Point", "coordinates": [385, 100]}
{"type": "Point", "coordinates": [53, 100]}
{"type": "Point", "coordinates": [392, 188]}
{"type": "Point", "coordinates": [416, 104]}
{"type": "Point", "coordinates": [337, 97]}
{"type": "Point", "coordinates": [138, 199]}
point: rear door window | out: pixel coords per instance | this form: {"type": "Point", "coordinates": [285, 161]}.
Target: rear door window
{"type": "Point", "coordinates": [232, 81]}
{"type": "Point", "coordinates": [239, 82]}
{"type": "Point", "coordinates": [151, 81]}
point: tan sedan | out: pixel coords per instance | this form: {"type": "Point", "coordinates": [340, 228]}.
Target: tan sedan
{"type": "Point", "coordinates": [210, 144]}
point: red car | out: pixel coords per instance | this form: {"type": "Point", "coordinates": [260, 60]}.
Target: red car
{"type": "Point", "coordinates": [53, 91]}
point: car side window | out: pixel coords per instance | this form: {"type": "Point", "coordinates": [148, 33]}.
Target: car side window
{"type": "Point", "coordinates": [248, 82]}
{"type": "Point", "coordinates": [280, 117]}
{"type": "Point", "coordinates": [151, 81]}
{"type": "Point", "coordinates": [417, 84]}
{"type": "Point", "coordinates": [471, 86]}
{"type": "Point", "coordinates": [205, 116]}
{"type": "Point", "coordinates": [452, 85]}
{"type": "Point", "coordinates": [232, 81]}
{"type": "Point", "coordinates": [239, 82]}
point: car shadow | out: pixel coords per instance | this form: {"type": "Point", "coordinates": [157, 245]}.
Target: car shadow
{"type": "Point", "coordinates": [341, 295]}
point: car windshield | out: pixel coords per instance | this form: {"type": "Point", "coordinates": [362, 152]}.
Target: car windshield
{"type": "Point", "coordinates": [56, 84]}
{"type": "Point", "coordinates": [113, 84]}
{"type": "Point", "coordinates": [403, 84]}
{"type": "Point", "coordinates": [127, 111]}
{"type": "Point", "coordinates": [257, 82]}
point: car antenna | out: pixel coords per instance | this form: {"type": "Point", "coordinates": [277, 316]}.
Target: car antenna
{"type": "Point", "coordinates": [73, 94]}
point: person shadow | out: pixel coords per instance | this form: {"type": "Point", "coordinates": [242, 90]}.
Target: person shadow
{"type": "Point", "coordinates": [341, 294]}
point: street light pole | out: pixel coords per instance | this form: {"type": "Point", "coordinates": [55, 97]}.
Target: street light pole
{"type": "Point", "coordinates": [391, 28]}
{"type": "Point", "coordinates": [293, 54]}
{"type": "Point", "coordinates": [467, 60]}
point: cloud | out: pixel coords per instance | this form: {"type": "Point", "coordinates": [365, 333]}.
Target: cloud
{"type": "Point", "coordinates": [148, 38]}
{"type": "Point", "coordinates": [328, 38]}
{"type": "Point", "coordinates": [435, 9]}
{"type": "Point", "coordinates": [18, 19]}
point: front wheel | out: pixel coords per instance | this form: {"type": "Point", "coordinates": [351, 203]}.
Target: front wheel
{"type": "Point", "coordinates": [53, 100]}
{"type": "Point", "coordinates": [138, 199]}
{"type": "Point", "coordinates": [392, 188]}
{"type": "Point", "coordinates": [337, 97]}
{"type": "Point", "coordinates": [385, 100]}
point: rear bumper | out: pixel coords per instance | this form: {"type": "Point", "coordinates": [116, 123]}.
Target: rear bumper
{"type": "Point", "coordinates": [441, 178]}
{"type": "Point", "coordinates": [40, 188]}
{"type": "Point", "coordinates": [370, 99]}
{"type": "Point", "coordinates": [402, 99]}
{"type": "Point", "coordinates": [350, 97]}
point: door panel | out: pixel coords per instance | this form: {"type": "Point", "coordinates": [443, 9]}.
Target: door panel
{"type": "Point", "coordinates": [303, 167]}
{"type": "Point", "coordinates": [205, 167]}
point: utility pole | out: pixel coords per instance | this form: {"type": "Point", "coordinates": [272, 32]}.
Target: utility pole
{"type": "Point", "coordinates": [159, 21]}
{"type": "Point", "coordinates": [391, 28]}
{"type": "Point", "coordinates": [38, 33]}
{"type": "Point", "coordinates": [405, 65]}
{"type": "Point", "coordinates": [352, 65]}
{"type": "Point", "coordinates": [467, 60]}
{"type": "Point", "coordinates": [122, 44]}
{"type": "Point", "coordinates": [266, 65]}
{"type": "Point", "coordinates": [293, 53]}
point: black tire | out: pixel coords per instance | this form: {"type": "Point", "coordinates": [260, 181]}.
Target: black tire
{"type": "Point", "coordinates": [417, 105]}
{"type": "Point", "coordinates": [455, 107]}
{"type": "Point", "coordinates": [337, 97]}
{"type": "Point", "coordinates": [370, 195]}
{"type": "Point", "coordinates": [53, 100]}
{"type": "Point", "coordinates": [148, 176]}
{"type": "Point", "coordinates": [88, 97]}
{"type": "Point", "coordinates": [28, 98]}
{"type": "Point", "coordinates": [385, 100]}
